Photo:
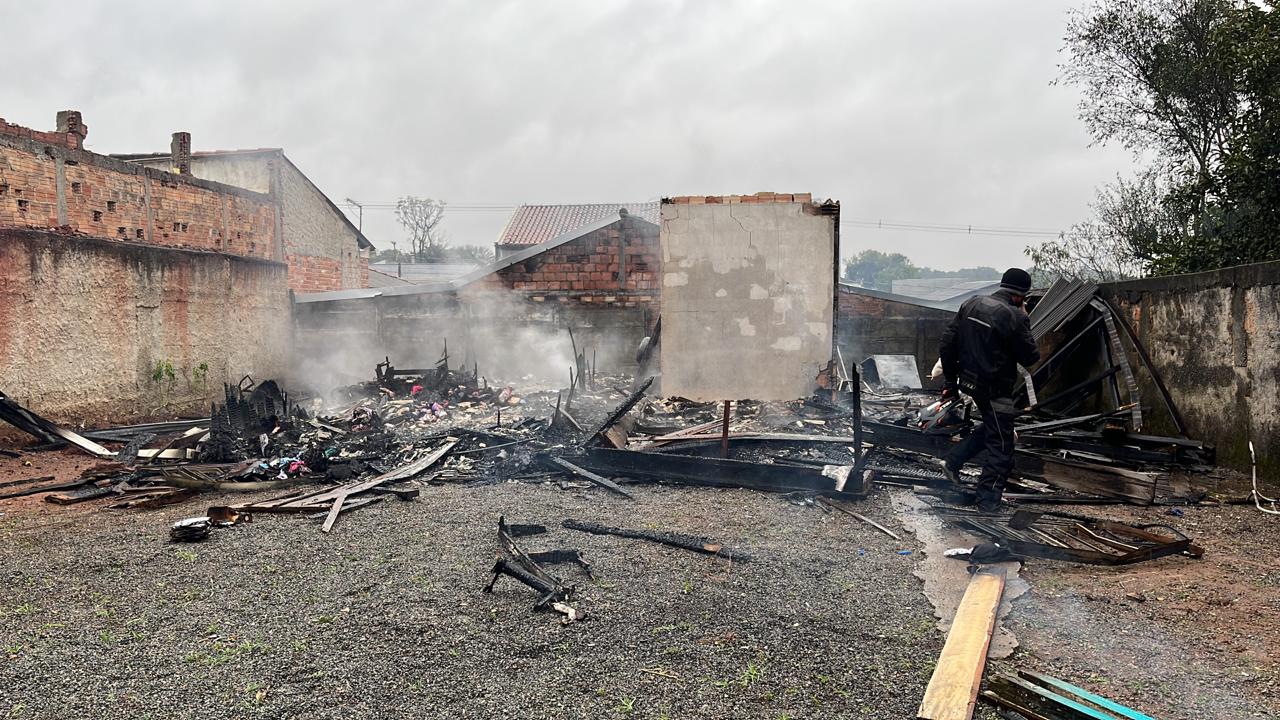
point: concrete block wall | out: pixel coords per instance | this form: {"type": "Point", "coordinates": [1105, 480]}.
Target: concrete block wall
{"type": "Point", "coordinates": [748, 295]}
{"type": "Point", "coordinates": [84, 322]}
{"type": "Point", "coordinates": [1215, 338]}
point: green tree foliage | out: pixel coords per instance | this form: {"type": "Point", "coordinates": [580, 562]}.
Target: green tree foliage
{"type": "Point", "coordinates": [1192, 85]}
{"type": "Point", "coordinates": [877, 270]}
{"type": "Point", "coordinates": [874, 269]}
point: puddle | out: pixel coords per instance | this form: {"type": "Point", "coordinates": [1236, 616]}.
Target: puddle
{"type": "Point", "coordinates": [945, 579]}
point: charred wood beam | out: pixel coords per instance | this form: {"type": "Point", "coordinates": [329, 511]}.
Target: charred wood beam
{"type": "Point", "coordinates": [1078, 387]}
{"type": "Point", "coordinates": [621, 410]}
{"type": "Point", "coordinates": [837, 480]}
{"type": "Point", "coordinates": [671, 539]}
{"type": "Point", "coordinates": [516, 563]}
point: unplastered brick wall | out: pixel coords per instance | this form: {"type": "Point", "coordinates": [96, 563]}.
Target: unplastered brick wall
{"type": "Point", "coordinates": [65, 138]}
{"type": "Point", "coordinates": [760, 197]}
{"type": "Point", "coordinates": [47, 184]}
{"type": "Point", "coordinates": [308, 273]}
{"type": "Point", "coordinates": [619, 264]}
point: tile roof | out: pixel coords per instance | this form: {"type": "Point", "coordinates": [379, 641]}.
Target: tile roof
{"type": "Point", "coordinates": [534, 224]}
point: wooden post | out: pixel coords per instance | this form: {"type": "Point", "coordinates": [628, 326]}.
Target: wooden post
{"type": "Point", "coordinates": [724, 431]}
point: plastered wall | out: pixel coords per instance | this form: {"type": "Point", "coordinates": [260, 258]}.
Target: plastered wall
{"type": "Point", "coordinates": [1215, 338]}
{"type": "Point", "coordinates": [84, 323]}
{"type": "Point", "coordinates": [747, 297]}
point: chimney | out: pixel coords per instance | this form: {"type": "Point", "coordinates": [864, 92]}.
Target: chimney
{"type": "Point", "coordinates": [71, 124]}
{"type": "Point", "coordinates": [180, 150]}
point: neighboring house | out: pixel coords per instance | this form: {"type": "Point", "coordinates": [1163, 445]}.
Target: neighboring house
{"type": "Point", "coordinates": [115, 276]}
{"type": "Point", "coordinates": [949, 292]}
{"type": "Point", "coordinates": [531, 225]}
{"type": "Point", "coordinates": [323, 249]}
{"type": "Point", "coordinates": [422, 273]}
{"type": "Point", "coordinates": [602, 279]}
{"type": "Point", "coordinates": [874, 322]}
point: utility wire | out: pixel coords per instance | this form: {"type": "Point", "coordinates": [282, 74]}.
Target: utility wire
{"type": "Point", "coordinates": [900, 226]}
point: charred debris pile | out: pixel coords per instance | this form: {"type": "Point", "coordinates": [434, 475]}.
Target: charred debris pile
{"type": "Point", "coordinates": [1080, 441]}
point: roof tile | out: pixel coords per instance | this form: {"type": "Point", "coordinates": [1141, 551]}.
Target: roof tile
{"type": "Point", "coordinates": [534, 224]}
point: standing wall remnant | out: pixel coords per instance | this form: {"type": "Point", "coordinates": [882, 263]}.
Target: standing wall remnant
{"type": "Point", "coordinates": [748, 290]}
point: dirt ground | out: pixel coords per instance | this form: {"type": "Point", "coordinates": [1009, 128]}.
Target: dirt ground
{"type": "Point", "coordinates": [1178, 638]}
{"type": "Point", "coordinates": [101, 616]}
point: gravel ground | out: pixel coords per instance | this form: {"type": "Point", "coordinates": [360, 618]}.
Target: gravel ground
{"type": "Point", "coordinates": [101, 617]}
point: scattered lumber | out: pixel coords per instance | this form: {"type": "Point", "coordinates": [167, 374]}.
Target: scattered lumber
{"type": "Point", "coordinates": [1036, 695]}
{"type": "Point", "coordinates": [953, 690]}
{"type": "Point", "coordinates": [835, 480]}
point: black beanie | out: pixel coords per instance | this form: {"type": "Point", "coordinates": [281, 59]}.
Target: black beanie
{"type": "Point", "coordinates": [1016, 280]}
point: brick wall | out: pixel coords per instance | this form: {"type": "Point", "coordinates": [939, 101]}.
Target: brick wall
{"type": "Point", "coordinates": [47, 181]}
{"type": "Point", "coordinates": [72, 137]}
{"type": "Point", "coordinates": [760, 197]}
{"type": "Point", "coordinates": [319, 245]}
{"type": "Point", "coordinates": [617, 265]}
{"type": "Point", "coordinates": [308, 273]}
{"type": "Point", "coordinates": [867, 325]}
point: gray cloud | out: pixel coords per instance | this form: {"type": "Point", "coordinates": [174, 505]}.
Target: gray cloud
{"type": "Point", "coordinates": [926, 112]}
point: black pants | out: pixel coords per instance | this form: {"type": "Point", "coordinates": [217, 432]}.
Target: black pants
{"type": "Point", "coordinates": [995, 435]}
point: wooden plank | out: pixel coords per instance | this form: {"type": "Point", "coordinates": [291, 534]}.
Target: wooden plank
{"type": "Point", "coordinates": [953, 689]}
{"type": "Point", "coordinates": [402, 473]}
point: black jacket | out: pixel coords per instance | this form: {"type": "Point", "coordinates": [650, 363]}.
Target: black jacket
{"type": "Point", "coordinates": [985, 342]}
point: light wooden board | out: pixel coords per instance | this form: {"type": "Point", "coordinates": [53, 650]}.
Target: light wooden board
{"type": "Point", "coordinates": [953, 689]}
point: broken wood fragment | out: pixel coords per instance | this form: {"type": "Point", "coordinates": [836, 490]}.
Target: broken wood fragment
{"type": "Point", "coordinates": [588, 475]}
{"type": "Point", "coordinates": [953, 689]}
{"type": "Point", "coordinates": [513, 562]}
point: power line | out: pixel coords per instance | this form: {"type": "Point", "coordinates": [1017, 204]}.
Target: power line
{"type": "Point", "coordinates": [900, 226]}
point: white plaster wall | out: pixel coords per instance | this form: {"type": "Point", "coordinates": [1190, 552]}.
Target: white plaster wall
{"type": "Point", "coordinates": [746, 300]}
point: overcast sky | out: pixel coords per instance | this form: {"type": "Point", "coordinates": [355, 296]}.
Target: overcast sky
{"type": "Point", "coordinates": [909, 112]}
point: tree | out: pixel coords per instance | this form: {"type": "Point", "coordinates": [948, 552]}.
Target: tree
{"type": "Point", "coordinates": [478, 254]}
{"type": "Point", "coordinates": [874, 269]}
{"type": "Point", "coordinates": [421, 219]}
{"type": "Point", "coordinates": [1192, 85]}
{"type": "Point", "coordinates": [1132, 223]}
{"type": "Point", "coordinates": [390, 255]}
{"type": "Point", "coordinates": [982, 272]}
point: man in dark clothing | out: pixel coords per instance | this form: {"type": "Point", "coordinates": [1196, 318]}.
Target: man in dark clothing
{"type": "Point", "coordinates": [981, 349]}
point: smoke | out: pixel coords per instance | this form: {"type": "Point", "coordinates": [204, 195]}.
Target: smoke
{"type": "Point", "coordinates": [508, 338]}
